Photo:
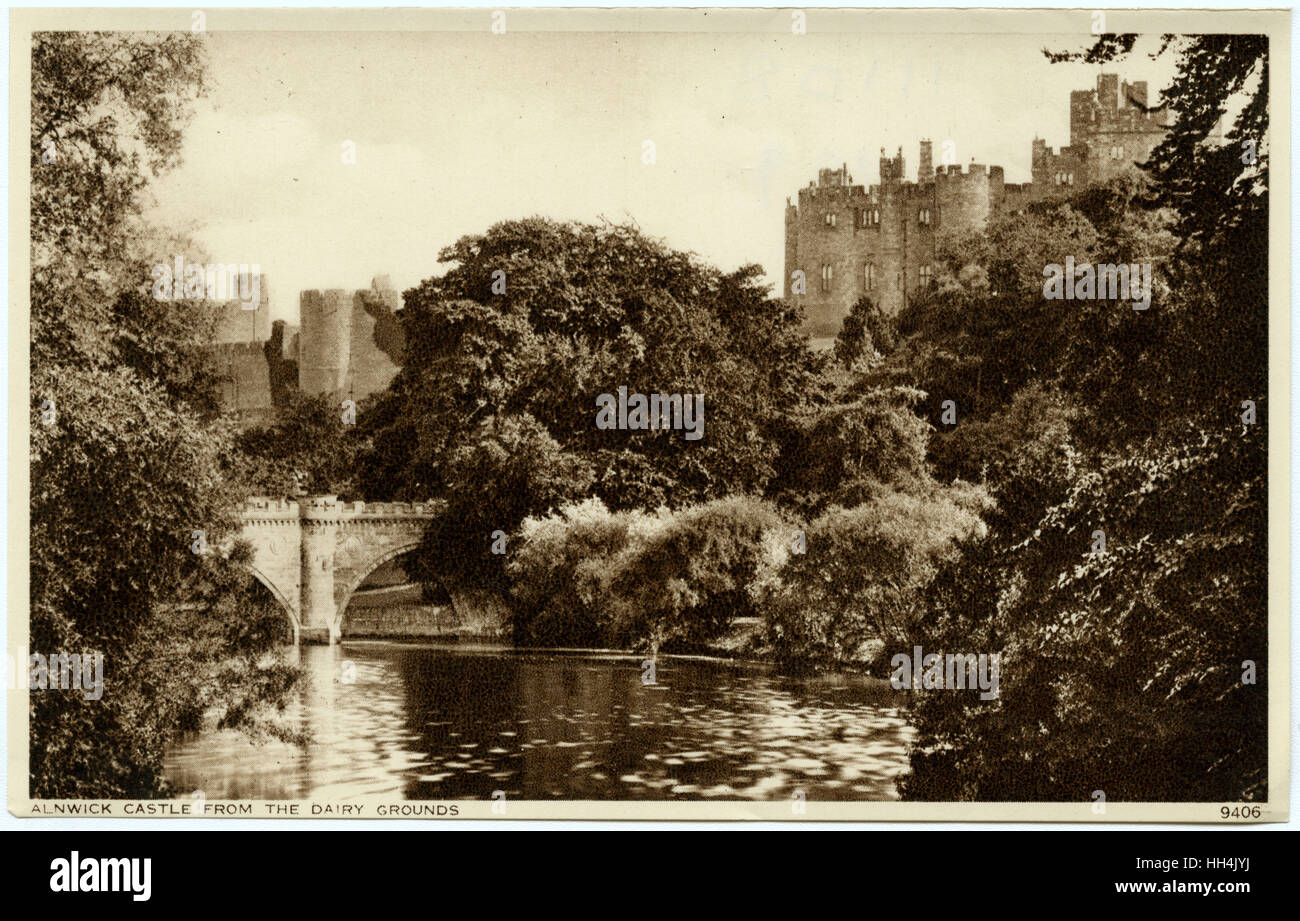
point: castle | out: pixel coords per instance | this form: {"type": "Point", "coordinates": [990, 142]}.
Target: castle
{"type": "Point", "coordinates": [841, 241]}
{"type": "Point", "coordinates": [346, 345]}
{"type": "Point", "coordinates": [844, 240]}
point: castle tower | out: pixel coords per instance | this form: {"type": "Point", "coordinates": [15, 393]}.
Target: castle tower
{"type": "Point", "coordinates": [964, 199]}
{"type": "Point", "coordinates": [891, 169]}
{"type": "Point", "coordinates": [241, 302]}
{"type": "Point", "coordinates": [925, 167]}
{"type": "Point", "coordinates": [325, 341]}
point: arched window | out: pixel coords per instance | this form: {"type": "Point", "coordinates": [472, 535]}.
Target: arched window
{"type": "Point", "coordinates": [828, 273]}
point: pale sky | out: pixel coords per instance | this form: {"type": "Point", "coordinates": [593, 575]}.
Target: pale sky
{"type": "Point", "coordinates": [456, 131]}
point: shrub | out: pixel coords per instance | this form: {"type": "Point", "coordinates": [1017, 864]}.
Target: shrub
{"type": "Point", "coordinates": [586, 576]}
{"type": "Point", "coordinates": [859, 586]}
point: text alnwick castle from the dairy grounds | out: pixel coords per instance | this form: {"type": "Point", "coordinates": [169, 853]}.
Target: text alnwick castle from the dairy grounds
{"type": "Point", "coordinates": [841, 241]}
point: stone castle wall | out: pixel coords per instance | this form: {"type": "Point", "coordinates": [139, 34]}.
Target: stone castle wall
{"type": "Point", "coordinates": [834, 256]}
{"type": "Point", "coordinates": [851, 240]}
{"type": "Point", "coordinates": [348, 344]}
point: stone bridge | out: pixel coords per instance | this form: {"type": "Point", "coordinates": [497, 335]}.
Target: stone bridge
{"type": "Point", "coordinates": [313, 553]}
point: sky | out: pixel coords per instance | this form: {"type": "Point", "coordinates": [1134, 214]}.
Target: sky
{"type": "Point", "coordinates": [454, 132]}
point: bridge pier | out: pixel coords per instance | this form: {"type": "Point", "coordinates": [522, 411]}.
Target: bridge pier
{"type": "Point", "coordinates": [312, 552]}
{"type": "Point", "coordinates": [319, 517]}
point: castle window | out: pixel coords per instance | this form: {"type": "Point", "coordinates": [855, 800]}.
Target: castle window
{"type": "Point", "coordinates": [1069, 178]}
{"type": "Point", "coordinates": [830, 220]}
{"type": "Point", "coordinates": [828, 274]}
{"type": "Point", "coordinates": [1117, 153]}
{"type": "Point", "coordinates": [924, 275]}
{"type": "Point", "coordinates": [875, 217]}
{"type": "Point", "coordinates": [924, 216]}
{"type": "Point", "coordinates": [869, 276]}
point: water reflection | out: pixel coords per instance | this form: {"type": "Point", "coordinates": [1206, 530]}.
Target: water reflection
{"type": "Point", "coordinates": [448, 721]}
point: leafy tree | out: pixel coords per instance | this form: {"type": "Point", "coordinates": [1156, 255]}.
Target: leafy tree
{"type": "Point", "coordinates": [1127, 671]}
{"type": "Point", "coordinates": [867, 332]}
{"type": "Point", "coordinates": [851, 448]}
{"type": "Point", "coordinates": [508, 351]}
{"type": "Point", "coordinates": [308, 448]}
{"type": "Point", "coordinates": [1121, 671]}
{"type": "Point", "coordinates": [126, 451]}
{"type": "Point", "coordinates": [671, 580]}
{"type": "Point", "coordinates": [858, 589]}
{"type": "Point", "coordinates": [1219, 192]}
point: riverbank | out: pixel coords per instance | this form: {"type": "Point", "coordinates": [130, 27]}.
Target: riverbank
{"type": "Point", "coordinates": [409, 622]}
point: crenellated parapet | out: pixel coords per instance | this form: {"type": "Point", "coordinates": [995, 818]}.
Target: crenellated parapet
{"type": "Point", "coordinates": [270, 510]}
{"type": "Point", "coordinates": [262, 508]}
{"type": "Point", "coordinates": [363, 510]}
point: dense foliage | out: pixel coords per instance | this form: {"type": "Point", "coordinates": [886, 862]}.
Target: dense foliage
{"type": "Point", "coordinates": [507, 352]}
{"type": "Point", "coordinates": [668, 581]}
{"type": "Point", "coordinates": [127, 452]}
{"type": "Point", "coordinates": [1137, 670]}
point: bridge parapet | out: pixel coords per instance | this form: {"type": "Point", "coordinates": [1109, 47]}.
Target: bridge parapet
{"type": "Point", "coordinates": [391, 510]}
{"type": "Point", "coordinates": [260, 508]}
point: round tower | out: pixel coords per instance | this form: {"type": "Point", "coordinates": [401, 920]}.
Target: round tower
{"type": "Point", "coordinates": [326, 339]}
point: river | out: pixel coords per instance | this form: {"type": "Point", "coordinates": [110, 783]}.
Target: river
{"type": "Point", "coordinates": [443, 720]}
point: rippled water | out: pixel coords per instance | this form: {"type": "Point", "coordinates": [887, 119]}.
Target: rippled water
{"type": "Point", "coordinates": [451, 721]}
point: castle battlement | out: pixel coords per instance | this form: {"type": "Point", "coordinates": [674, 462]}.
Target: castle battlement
{"type": "Point", "coordinates": [973, 172]}
{"type": "Point", "coordinates": [844, 241]}
{"type": "Point", "coordinates": [393, 509]}
{"type": "Point", "coordinates": [261, 508]}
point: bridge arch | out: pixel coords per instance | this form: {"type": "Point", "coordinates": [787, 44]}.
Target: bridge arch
{"type": "Point", "coordinates": [281, 598]}
{"type": "Point", "coordinates": [285, 604]}
{"type": "Point", "coordinates": [362, 571]}
{"type": "Point", "coordinates": [365, 569]}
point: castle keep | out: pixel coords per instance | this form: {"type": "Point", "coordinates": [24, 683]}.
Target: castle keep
{"type": "Point", "coordinates": [347, 345]}
{"type": "Point", "coordinates": [844, 240]}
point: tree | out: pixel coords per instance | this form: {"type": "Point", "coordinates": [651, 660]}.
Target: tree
{"type": "Point", "coordinates": [858, 591]}
{"type": "Point", "coordinates": [1127, 669]}
{"type": "Point", "coordinates": [309, 448]}
{"type": "Point", "coordinates": [866, 331]}
{"type": "Point", "coordinates": [128, 504]}
{"type": "Point", "coordinates": [509, 349]}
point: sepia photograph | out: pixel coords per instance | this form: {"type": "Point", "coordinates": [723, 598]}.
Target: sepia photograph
{"type": "Point", "coordinates": [784, 414]}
